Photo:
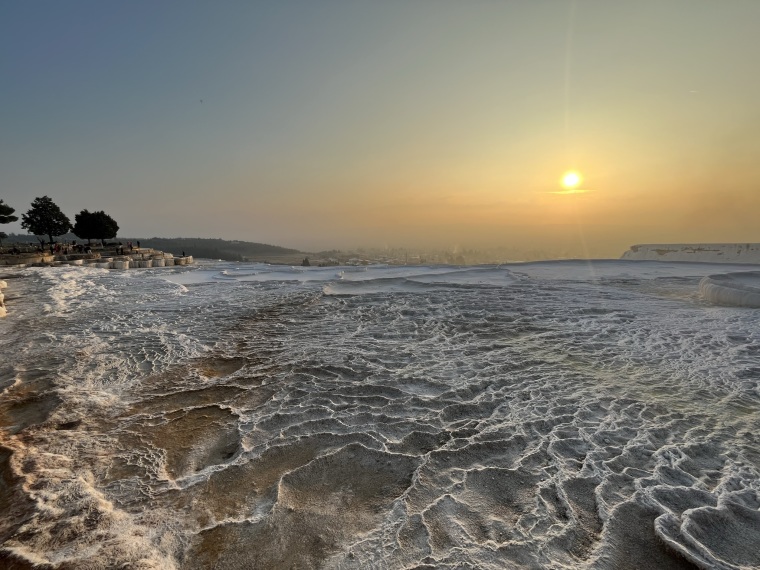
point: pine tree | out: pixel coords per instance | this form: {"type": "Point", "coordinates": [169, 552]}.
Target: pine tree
{"type": "Point", "coordinates": [45, 219]}
{"type": "Point", "coordinates": [6, 213]}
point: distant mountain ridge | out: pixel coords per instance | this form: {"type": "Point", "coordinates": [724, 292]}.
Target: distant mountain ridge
{"type": "Point", "coordinates": [212, 248]}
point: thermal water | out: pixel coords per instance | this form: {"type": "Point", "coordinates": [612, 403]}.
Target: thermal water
{"type": "Point", "coordinates": [543, 415]}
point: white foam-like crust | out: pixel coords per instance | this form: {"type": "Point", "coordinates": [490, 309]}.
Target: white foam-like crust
{"type": "Point", "coordinates": [568, 414]}
{"type": "Point", "coordinates": [493, 275]}
{"type": "Point", "coordinates": [732, 289]}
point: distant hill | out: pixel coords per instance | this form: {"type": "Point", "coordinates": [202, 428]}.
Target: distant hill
{"type": "Point", "coordinates": [30, 238]}
{"type": "Point", "coordinates": [197, 247]}
{"type": "Point", "coordinates": [212, 248]}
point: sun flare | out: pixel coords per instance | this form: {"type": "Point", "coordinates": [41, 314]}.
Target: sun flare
{"type": "Point", "coordinates": [571, 180]}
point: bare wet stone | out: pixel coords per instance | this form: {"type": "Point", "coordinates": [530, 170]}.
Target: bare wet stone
{"type": "Point", "coordinates": [196, 438]}
{"type": "Point", "coordinates": [320, 507]}
{"type": "Point", "coordinates": [527, 422]}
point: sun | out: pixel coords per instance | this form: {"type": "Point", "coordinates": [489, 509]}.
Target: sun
{"type": "Point", "coordinates": [571, 180]}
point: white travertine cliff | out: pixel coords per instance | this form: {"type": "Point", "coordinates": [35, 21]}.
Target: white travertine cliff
{"type": "Point", "coordinates": [739, 289]}
{"type": "Point", "coordinates": [701, 252]}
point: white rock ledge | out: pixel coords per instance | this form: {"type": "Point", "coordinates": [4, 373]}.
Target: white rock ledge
{"type": "Point", "coordinates": [699, 252]}
{"type": "Point", "coordinates": [740, 289]}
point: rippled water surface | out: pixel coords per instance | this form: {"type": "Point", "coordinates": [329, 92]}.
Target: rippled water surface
{"type": "Point", "coordinates": [548, 415]}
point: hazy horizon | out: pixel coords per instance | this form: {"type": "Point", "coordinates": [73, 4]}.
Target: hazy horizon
{"type": "Point", "coordinates": [338, 125]}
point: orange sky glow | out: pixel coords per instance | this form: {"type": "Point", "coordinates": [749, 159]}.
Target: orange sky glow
{"type": "Point", "coordinates": [439, 124]}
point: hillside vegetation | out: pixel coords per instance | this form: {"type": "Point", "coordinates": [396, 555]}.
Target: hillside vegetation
{"type": "Point", "coordinates": [212, 248]}
{"type": "Point", "coordinates": [197, 247]}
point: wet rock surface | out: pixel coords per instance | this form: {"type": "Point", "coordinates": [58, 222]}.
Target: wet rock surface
{"type": "Point", "coordinates": [545, 423]}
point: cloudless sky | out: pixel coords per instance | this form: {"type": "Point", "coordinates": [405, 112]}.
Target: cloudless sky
{"type": "Point", "coordinates": [421, 123]}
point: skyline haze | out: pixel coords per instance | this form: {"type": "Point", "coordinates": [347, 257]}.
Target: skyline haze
{"type": "Point", "coordinates": [419, 124]}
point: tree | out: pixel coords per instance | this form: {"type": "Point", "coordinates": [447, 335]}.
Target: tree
{"type": "Point", "coordinates": [6, 214]}
{"type": "Point", "coordinates": [95, 225]}
{"type": "Point", "coordinates": [3, 235]}
{"type": "Point", "coordinates": [45, 219]}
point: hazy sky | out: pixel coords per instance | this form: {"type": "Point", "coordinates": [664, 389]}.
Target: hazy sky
{"type": "Point", "coordinates": [343, 123]}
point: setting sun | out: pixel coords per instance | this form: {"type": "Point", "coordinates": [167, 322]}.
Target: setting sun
{"type": "Point", "coordinates": [571, 180]}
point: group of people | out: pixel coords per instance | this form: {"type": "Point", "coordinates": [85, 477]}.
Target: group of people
{"type": "Point", "coordinates": [65, 248]}
{"type": "Point", "coordinates": [73, 247]}
{"type": "Point", "coordinates": [120, 247]}
{"type": "Point", "coordinates": [52, 248]}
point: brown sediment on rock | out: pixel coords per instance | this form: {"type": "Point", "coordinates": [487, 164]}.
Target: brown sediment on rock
{"type": "Point", "coordinates": [583, 509]}
{"type": "Point", "coordinates": [51, 508]}
{"type": "Point", "coordinates": [66, 426]}
{"type": "Point", "coordinates": [629, 542]}
{"type": "Point", "coordinates": [196, 438]}
{"type": "Point", "coordinates": [26, 403]}
{"type": "Point", "coordinates": [73, 525]}
{"type": "Point", "coordinates": [54, 515]}
{"type": "Point", "coordinates": [14, 504]}
{"type": "Point", "coordinates": [510, 492]}
{"type": "Point", "coordinates": [320, 508]}
{"type": "Point", "coordinates": [19, 413]}
{"type": "Point", "coordinates": [5, 297]}
{"type": "Point", "coordinates": [202, 374]}
{"type": "Point", "coordinates": [245, 487]}
{"type": "Point", "coordinates": [185, 399]}
{"type": "Point", "coordinates": [216, 367]}
{"type": "Point", "coordinates": [242, 488]}
{"type": "Point", "coordinates": [29, 402]}
{"type": "Point", "coordinates": [233, 396]}
{"type": "Point", "coordinates": [11, 561]}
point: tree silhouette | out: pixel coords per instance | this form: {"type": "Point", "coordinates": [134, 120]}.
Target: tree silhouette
{"type": "Point", "coordinates": [6, 213]}
{"type": "Point", "coordinates": [3, 235]}
{"type": "Point", "coordinates": [45, 219]}
{"type": "Point", "coordinates": [95, 225]}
